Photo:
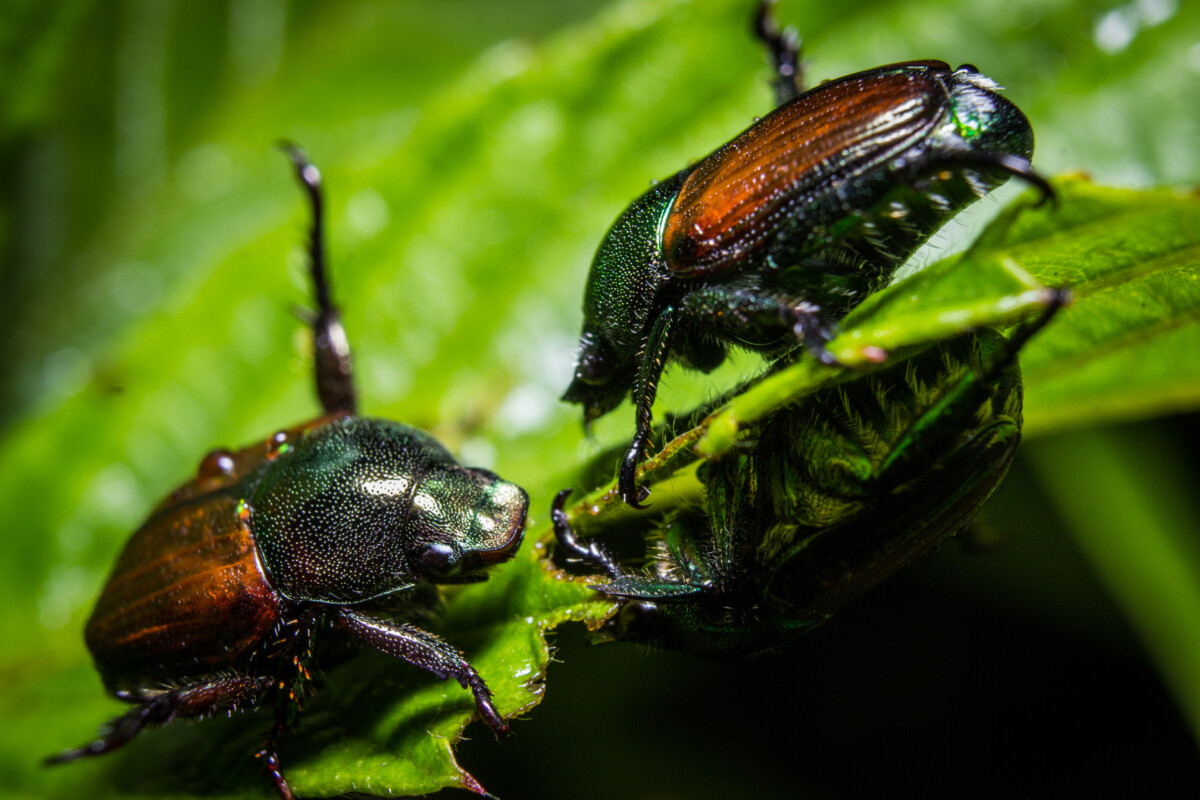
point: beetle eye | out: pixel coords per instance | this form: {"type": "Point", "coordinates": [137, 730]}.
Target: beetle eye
{"type": "Point", "coordinates": [440, 561]}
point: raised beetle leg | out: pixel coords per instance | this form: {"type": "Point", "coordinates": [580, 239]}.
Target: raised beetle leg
{"type": "Point", "coordinates": [331, 348]}
{"type": "Point", "coordinates": [159, 708]}
{"type": "Point", "coordinates": [627, 487]}
{"type": "Point", "coordinates": [654, 359]}
{"type": "Point", "coordinates": [591, 553]}
{"type": "Point", "coordinates": [783, 51]}
{"type": "Point", "coordinates": [425, 650]}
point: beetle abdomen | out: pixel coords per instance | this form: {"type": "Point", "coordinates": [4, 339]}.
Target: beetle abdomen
{"type": "Point", "coordinates": [187, 597]}
{"type": "Point", "coordinates": [846, 437]}
{"type": "Point", "coordinates": [736, 199]}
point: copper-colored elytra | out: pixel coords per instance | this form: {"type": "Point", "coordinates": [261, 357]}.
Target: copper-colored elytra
{"type": "Point", "coordinates": [212, 563]}
{"type": "Point", "coordinates": [726, 206]}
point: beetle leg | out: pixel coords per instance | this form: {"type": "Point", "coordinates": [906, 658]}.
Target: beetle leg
{"type": "Point", "coordinates": [1016, 340]}
{"type": "Point", "coordinates": [425, 650]}
{"type": "Point", "coordinates": [290, 685]}
{"type": "Point", "coordinates": [737, 312]}
{"type": "Point", "coordinates": [783, 51]}
{"type": "Point", "coordinates": [812, 328]}
{"type": "Point", "coordinates": [623, 584]}
{"type": "Point", "coordinates": [927, 434]}
{"type": "Point", "coordinates": [591, 553]}
{"type": "Point", "coordinates": [331, 348]}
{"type": "Point", "coordinates": [197, 700]}
{"type": "Point", "coordinates": [270, 756]}
{"type": "Point", "coordinates": [654, 358]}
{"type": "Point", "coordinates": [1005, 162]}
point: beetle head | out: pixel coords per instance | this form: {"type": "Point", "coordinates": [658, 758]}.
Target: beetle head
{"type": "Point", "coordinates": [463, 520]}
{"type": "Point", "coordinates": [361, 508]}
{"type": "Point", "coordinates": [985, 119]}
{"type": "Point", "coordinates": [621, 301]}
{"type": "Point", "coordinates": [600, 382]}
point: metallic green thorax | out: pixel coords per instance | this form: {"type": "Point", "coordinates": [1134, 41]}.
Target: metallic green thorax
{"type": "Point", "coordinates": [623, 291]}
{"type": "Point", "coordinates": [827, 499]}
{"type": "Point", "coordinates": [347, 512]}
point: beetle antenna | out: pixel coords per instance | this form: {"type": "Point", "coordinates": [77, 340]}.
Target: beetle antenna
{"type": "Point", "coordinates": [331, 348]}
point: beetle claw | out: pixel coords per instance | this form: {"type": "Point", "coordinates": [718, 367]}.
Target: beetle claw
{"type": "Point", "coordinates": [590, 553]}
{"type": "Point", "coordinates": [627, 487]}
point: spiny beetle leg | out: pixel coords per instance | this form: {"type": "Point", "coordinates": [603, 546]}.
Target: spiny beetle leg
{"type": "Point", "coordinates": [654, 358]}
{"type": "Point", "coordinates": [331, 348]}
{"type": "Point", "coordinates": [592, 554]}
{"type": "Point", "coordinates": [783, 52]}
{"type": "Point", "coordinates": [270, 756]}
{"type": "Point", "coordinates": [1020, 336]}
{"type": "Point", "coordinates": [425, 650]}
{"type": "Point", "coordinates": [730, 310]}
{"type": "Point", "coordinates": [197, 700]}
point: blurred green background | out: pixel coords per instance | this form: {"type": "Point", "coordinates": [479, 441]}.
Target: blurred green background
{"type": "Point", "coordinates": [474, 154]}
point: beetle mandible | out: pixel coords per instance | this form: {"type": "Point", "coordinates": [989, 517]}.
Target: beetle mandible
{"type": "Point", "coordinates": [777, 234]}
{"type": "Point", "coordinates": [824, 500]}
{"type": "Point", "coordinates": [341, 521]}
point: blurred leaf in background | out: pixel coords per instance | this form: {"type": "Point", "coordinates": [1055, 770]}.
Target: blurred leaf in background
{"type": "Point", "coordinates": [474, 154]}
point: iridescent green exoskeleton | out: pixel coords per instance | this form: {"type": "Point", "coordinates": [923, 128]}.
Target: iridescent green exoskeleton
{"type": "Point", "coordinates": [824, 500]}
{"type": "Point", "coordinates": [776, 235]}
{"type": "Point", "coordinates": [343, 524]}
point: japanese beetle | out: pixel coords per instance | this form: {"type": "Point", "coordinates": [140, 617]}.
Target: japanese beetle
{"type": "Point", "coordinates": [343, 521]}
{"type": "Point", "coordinates": [824, 500]}
{"type": "Point", "coordinates": [777, 234]}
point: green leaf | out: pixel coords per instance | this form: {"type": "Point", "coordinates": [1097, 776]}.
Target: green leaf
{"type": "Point", "coordinates": [1136, 528]}
{"type": "Point", "coordinates": [474, 152]}
{"type": "Point", "coordinates": [397, 727]}
{"type": "Point", "coordinates": [1125, 348]}
{"type": "Point", "coordinates": [1129, 347]}
{"type": "Point", "coordinates": [978, 289]}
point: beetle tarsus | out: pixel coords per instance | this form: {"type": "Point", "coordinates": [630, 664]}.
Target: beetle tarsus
{"type": "Point", "coordinates": [425, 650]}
{"type": "Point", "coordinates": [1016, 341]}
{"type": "Point", "coordinates": [1014, 165]}
{"type": "Point", "coordinates": [483, 702]}
{"type": "Point", "coordinates": [627, 486]}
{"type": "Point", "coordinates": [1021, 168]}
{"type": "Point", "coordinates": [814, 331]}
{"type": "Point", "coordinates": [591, 554]}
{"type": "Point", "coordinates": [271, 764]}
